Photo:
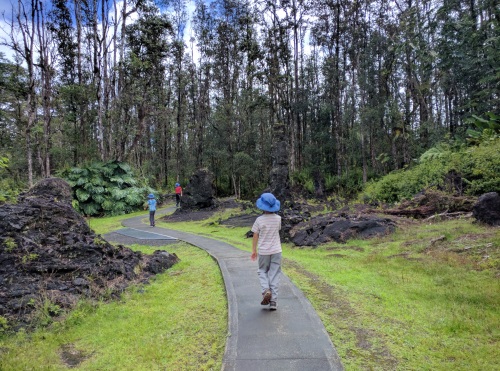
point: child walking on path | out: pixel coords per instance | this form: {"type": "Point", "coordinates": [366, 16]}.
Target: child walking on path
{"type": "Point", "coordinates": [152, 209]}
{"type": "Point", "coordinates": [266, 240]}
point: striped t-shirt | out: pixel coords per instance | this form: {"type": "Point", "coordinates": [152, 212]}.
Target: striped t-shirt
{"type": "Point", "coordinates": [268, 227]}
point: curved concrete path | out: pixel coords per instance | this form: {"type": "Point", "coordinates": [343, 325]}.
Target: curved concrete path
{"type": "Point", "coordinates": [291, 338]}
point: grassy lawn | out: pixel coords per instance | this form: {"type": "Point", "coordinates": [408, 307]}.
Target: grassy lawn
{"type": "Point", "coordinates": [424, 298]}
{"type": "Point", "coordinates": [112, 223]}
{"type": "Point", "coordinates": [177, 322]}
{"type": "Point", "coordinates": [390, 304]}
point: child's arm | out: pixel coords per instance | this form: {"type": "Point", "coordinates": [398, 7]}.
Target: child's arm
{"type": "Point", "coordinates": [254, 246]}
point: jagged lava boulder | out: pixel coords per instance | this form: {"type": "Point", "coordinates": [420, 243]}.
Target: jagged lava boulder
{"type": "Point", "coordinates": [327, 228]}
{"type": "Point", "coordinates": [200, 191]}
{"type": "Point", "coordinates": [487, 209]}
{"type": "Point", "coordinates": [48, 252]}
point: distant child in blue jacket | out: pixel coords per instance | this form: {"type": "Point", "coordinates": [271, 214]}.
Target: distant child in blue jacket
{"type": "Point", "coordinates": [152, 209]}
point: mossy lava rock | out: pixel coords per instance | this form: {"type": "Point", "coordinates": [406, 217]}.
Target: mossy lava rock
{"type": "Point", "coordinates": [48, 252]}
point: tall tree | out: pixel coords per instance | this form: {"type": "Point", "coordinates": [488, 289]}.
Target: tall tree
{"type": "Point", "coordinates": [348, 90]}
{"type": "Point", "coordinates": [148, 40]}
{"type": "Point", "coordinates": [22, 41]}
{"type": "Point", "coordinates": [46, 66]}
{"type": "Point", "coordinates": [65, 63]}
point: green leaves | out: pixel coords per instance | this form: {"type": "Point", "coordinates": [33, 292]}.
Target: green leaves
{"type": "Point", "coordinates": [8, 186]}
{"type": "Point", "coordinates": [105, 189]}
{"type": "Point", "coordinates": [82, 195]}
{"type": "Point", "coordinates": [4, 162]}
{"type": "Point", "coordinates": [485, 129]}
{"type": "Point", "coordinates": [440, 151]}
{"type": "Point", "coordinates": [478, 168]}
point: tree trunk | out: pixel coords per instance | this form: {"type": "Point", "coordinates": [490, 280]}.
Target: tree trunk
{"type": "Point", "coordinates": [26, 23]}
{"type": "Point", "coordinates": [46, 84]}
{"type": "Point", "coordinates": [80, 136]}
{"type": "Point", "coordinates": [279, 177]}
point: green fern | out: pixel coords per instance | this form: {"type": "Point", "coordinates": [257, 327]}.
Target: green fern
{"type": "Point", "coordinates": [99, 198]}
{"type": "Point", "coordinates": [81, 181]}
{"type": "Point", "coordinates": [90, 208]}
{"type": "Point", "coordinates": [118, 194]}
{"type": "Point", "coordinates": [107, 204]}
{"type": "Point", "coordinates": [106, 189]}
{"type": "Point", "coordinates": [82, 195]}
{"type": "Point", "coordinates": [483, 129]}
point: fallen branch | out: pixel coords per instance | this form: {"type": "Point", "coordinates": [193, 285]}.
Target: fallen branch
{"type": "Point", "coordinates": [448, 215]}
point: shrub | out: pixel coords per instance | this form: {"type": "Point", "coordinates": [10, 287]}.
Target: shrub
{"type": "Point", "coordinates": [346, 185]}
{"type": "Point", "coordinates": [303, 179]}
{"type": "Point", "coordinates": [478, 167]}
{"type": "Point", "coordinates": [483, 129]}
{"type": "Point", "coordinates": [9, 189]}
{"type": "Point", "coordinates": [106, 189]}
{"type": "Point", "coordinates": [404, 184]}
{"type": "Point", "coordinates": [4, 324]}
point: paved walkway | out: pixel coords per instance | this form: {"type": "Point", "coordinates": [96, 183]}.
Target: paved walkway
{"type": "Point", "coordinates": [291, 338]}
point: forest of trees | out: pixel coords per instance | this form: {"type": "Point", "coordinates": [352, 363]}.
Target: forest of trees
{"type": "Point", "coordinates": [360, 88]}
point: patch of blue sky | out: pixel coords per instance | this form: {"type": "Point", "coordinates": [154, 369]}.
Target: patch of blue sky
{"type": "Point", "coordinates": [9, 7]}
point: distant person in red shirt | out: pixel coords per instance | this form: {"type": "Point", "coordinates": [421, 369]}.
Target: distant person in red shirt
{"type": "Point", "coordinates": [178, 194]}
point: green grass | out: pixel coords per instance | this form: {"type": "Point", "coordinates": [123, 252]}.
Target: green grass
{"type": "Point", "coordinates": [403, 302]}
{"type": "Point", "coordinates": [212, 229]}
{"type": "Point", "coordinates": [105, 225]}
{"type": "Point", "coordinates": [177, 322]}
{"type": "Point", "coordinates": [424, 298]}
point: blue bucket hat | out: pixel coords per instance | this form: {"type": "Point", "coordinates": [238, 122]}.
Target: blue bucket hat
{"type": "Point", "coordinates": [268, 202]}
{"type": "Point", "coordinates": [177, 184]}
{"type": "Point", "coordinates": [151, 195]}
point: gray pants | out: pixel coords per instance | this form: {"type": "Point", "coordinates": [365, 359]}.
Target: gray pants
{"type": "Point", "coordinates": [269, 273]}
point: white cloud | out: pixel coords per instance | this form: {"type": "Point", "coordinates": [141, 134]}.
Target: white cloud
{"type": "Point", "coordinates": [189, 33]}
{"type": "Point", "coordinates": [5, 39]}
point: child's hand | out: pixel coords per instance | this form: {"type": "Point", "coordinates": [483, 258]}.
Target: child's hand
{"type": "Point", "coordinates": [253, 256]}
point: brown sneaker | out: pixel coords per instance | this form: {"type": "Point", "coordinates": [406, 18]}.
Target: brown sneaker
{"type": "Point", "coordinates": [266, 297]}
{"type": "Point", "coordinates": [272, 305]}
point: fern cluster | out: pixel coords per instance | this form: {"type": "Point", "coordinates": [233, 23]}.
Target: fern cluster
{"type": "Point", "coordinates": [106, 189]}
{"type": "Point", "coordinates": [9, 188]}
{"type": "Point", "coordinates": [477, 168]}
{"type": "Point", "coordinates": [346, 185]}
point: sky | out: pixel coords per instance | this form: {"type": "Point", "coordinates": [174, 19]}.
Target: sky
{"type": "Point", "coordinates": [5, 12]}
{"type": "Point", "coordinates": [5, 8]}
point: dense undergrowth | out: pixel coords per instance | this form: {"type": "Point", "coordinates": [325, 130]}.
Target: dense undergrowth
{"type": "Point", "coordinates": [455, 167]}
{"type": "Point", "coordinates": [463, 170]}
{"type": "Point", "coordinates": [9, 187]}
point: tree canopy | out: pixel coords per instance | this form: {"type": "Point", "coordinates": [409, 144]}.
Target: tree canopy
{"type": "Point", "coordinates": [350, 90]}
